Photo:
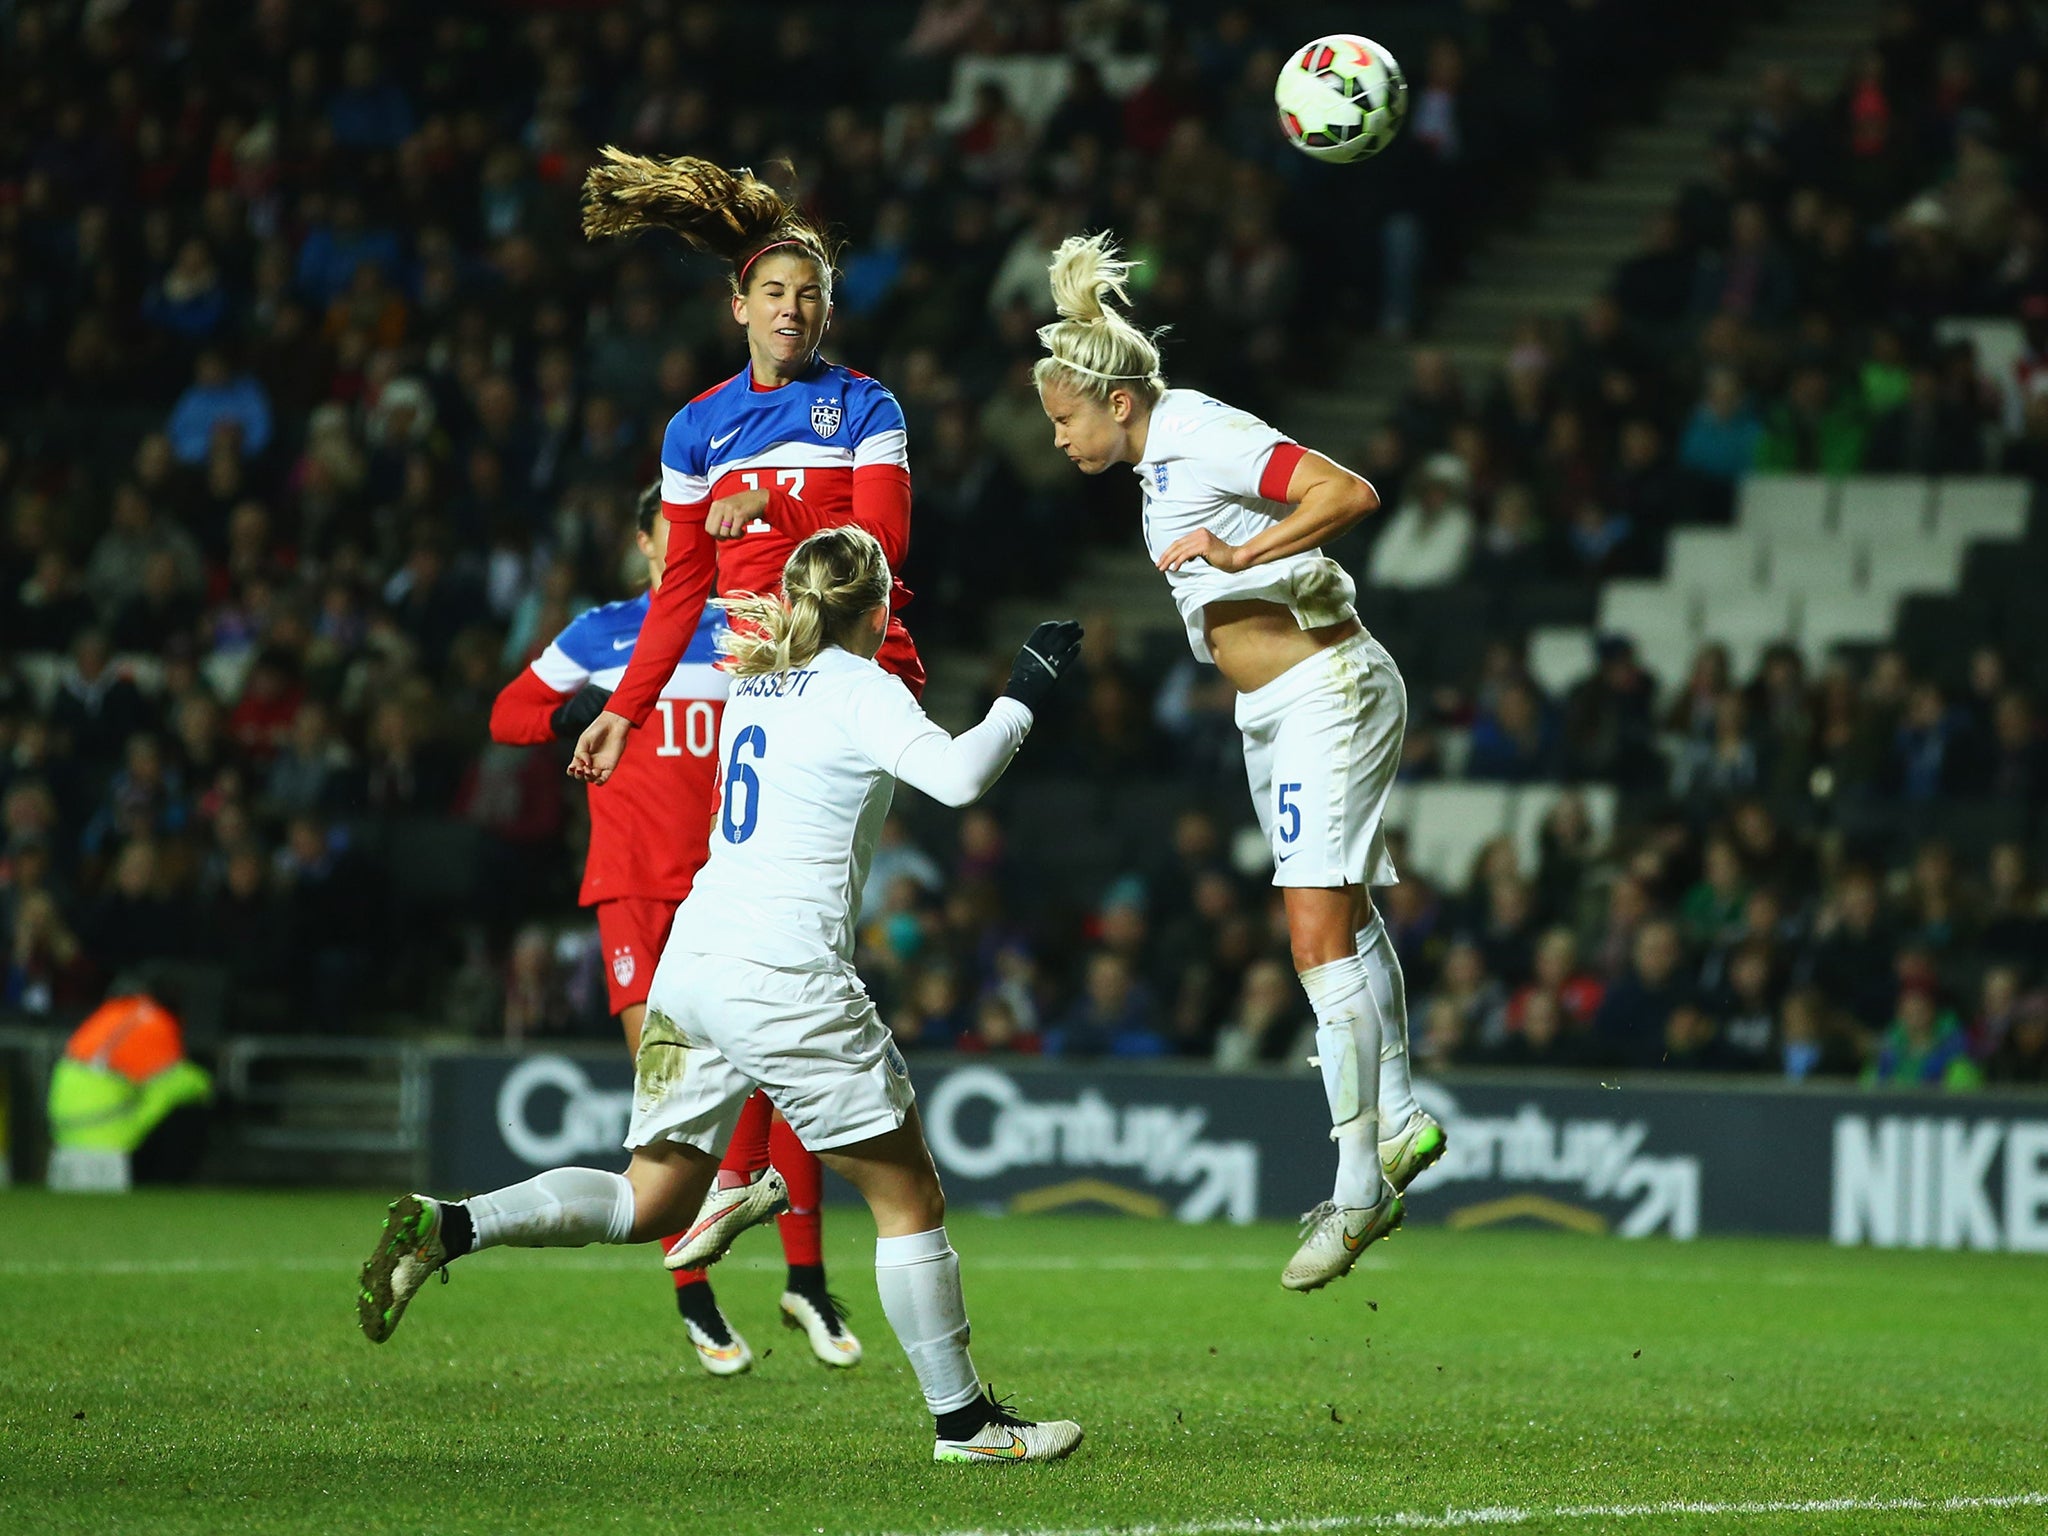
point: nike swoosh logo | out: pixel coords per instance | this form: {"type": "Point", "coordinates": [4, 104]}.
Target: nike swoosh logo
{"type": "Point", "coordinates": [623, 645]}
{"type": "Point", "coordinates": [720, 442]}
{"type": "Point", "coordinates": [1284, 857]}
{"type": "Point", "coordinates": [1014, 1451]}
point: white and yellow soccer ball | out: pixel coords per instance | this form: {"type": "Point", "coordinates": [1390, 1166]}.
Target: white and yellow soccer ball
{"type": "Point", "coordinates": [1341, 98]}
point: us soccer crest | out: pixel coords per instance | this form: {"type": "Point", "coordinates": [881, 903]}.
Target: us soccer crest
{"type": "Point", "coordinates": [825, 417]}
{"type": "Point", "coordinates": [622, 967]}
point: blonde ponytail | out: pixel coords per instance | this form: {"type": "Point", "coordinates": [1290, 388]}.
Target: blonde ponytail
{"type": "Point", "coordinates": [1093, 348]}
{"type": "Point", "coordinates": [833, 580]}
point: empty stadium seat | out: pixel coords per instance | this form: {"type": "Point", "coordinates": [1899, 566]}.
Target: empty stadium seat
{"type": "Point", "coordinates": [1794, 505]}
{"type": "Point", "coordinates": [1660, 619]}
{"type": "Point", "coordinates": [1629, 606]}
{"type": "Point", "coordinates": [1883, 508]}
{"type": "Point", "coordinates": [1989, 508]}
{"type": "Point", "coordinates": [1747, 623]}
{"type": "Point", "coordinates": [1560, 659]}
{"type": "Point", "coordinates": [1447, 825]}
{"type": "Point", "coordinates": [1795, 565]}
{"type": "Point", "coordinates": [1667, 651]}
{"type": "Point", "coordinates": [1710, 560]}
{"type": "Point", "coordinates": [1842, 615]}
{"type": "Point", "coordinates": [1889, 567]}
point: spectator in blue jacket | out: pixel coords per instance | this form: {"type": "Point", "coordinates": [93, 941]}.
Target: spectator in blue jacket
{"type": "Point", "coordinates": [334, 249]}
{"type": "Point", "coordinates": [1637, 1010]}
{"type": "Point", "coordinates": [370, 111]}
{"type": "Point", "coordinates": [1113, 1016]}
{"type": "Point", "coordinates": [1721, 437]}
{"type": "Point", "coordinates": [218, 395]}
{"type": "Point", "coordinates": [189, 300]}
{"type": "Point", "coordinates": [1516, 740]}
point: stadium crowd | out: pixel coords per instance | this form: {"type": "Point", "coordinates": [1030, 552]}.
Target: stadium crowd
{"type": "Point", "coordinates": [321, 419]}
{"type": "Point", "coordinates": [1733, 945]}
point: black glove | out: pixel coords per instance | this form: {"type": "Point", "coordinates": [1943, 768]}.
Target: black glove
{"type": "Point", "coordinates": [576, 713]}
{"type": "Point", "coordinates": [1045, 658]}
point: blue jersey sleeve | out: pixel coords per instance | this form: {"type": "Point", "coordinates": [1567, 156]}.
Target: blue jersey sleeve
{"type": "Point", "coordinates": [877, 426]}
{"type": "Point", "coordinates": [682, 460]}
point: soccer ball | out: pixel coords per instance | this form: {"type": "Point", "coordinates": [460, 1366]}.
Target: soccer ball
{"type": "Point", "coordinates": [1341, 98]}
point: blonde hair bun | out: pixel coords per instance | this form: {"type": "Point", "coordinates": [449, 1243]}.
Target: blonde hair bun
{"type": "Point", "coordinates": [831, 580]}
{"type": "Point", "coordinates": [1093, 348]}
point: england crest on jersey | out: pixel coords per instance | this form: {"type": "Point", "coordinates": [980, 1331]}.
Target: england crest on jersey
{"type": "Point", "coordinates": [825, 417]}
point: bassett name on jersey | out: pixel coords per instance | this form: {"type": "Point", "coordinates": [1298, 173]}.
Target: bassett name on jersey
{"type": "Point", "coordinates": [774, 685]}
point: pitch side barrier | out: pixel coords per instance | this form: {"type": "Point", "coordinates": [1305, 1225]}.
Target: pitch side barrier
{"type": "Point", "coordinates": [1631, 1156]}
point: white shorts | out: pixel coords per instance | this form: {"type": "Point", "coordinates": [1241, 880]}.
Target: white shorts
{"type": "Point", "coordinates": [1322, 743]}
{"type": "Point", "coordinates": [718, 1027]}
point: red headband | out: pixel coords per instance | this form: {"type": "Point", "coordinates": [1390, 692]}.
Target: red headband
{"type": "Point", "coordinates": [770, 246]}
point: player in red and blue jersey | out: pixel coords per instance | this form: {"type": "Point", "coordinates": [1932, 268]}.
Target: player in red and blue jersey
{"type": "Point", "coordinates": [649, 831]}
{"type": "Point", "coordinates": [790, 445]}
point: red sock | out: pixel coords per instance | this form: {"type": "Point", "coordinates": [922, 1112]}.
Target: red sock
{"type": "Point", "coordinates": [747, 1153]}
{"type": "Point", "coordinates": [802, 1225]}
{"type": "Point", "coordinates": [683, 1276]}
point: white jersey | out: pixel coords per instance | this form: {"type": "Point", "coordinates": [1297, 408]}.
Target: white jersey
{"type": "Point", "coordinates": [1210, 465]}
{"type": "Point", "coordinates": [809, 760]}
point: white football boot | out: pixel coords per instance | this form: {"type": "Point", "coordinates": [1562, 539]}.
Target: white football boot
{"type": "Point", "coordinates": [831, 1340]}
{"type": "Point", "coordinates": [723, 1216]}
{"type": "Point", "coordinates": [408, 1251]}
{"type": "Point", "coordinates": [1414, 1147]}
{"type": "Point", "coordinates": [1008, 1438]}
{"type": "Point", "coordinates": [1333, 1238]}
{"type": "Point", "coordinates": [727, 1356]}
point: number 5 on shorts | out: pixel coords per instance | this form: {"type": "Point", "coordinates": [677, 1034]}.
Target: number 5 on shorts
{"type": "Point", "coordinates": [739, 776]}
{"type": "Point", "coordinates": [1290, 813]}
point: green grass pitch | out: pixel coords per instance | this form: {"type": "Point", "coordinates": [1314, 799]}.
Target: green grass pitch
{"type": "Point", "coordinates": [188, 1362]}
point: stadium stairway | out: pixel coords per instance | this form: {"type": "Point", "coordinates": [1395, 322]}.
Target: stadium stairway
{"type": "Point", "coordinates": [1582, 230]}
{"type": "Point", "coordinates": [1818, 564]}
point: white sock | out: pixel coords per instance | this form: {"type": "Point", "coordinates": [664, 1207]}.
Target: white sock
{"type": "Point", "coordinates": [1347, 1048]}
{"type": "Point", "coordinates": [919, 1278]}
{"type": "Point", "coordinates": [562, 1208]}
{"type": "Point", "coordinates": [1390, 1000]}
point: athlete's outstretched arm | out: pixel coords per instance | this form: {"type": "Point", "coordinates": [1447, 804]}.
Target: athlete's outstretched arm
{"type": "Point", "coordinates": [672, 617]}
{"type": "Point", "coordinates": [1328, 501]}
{"type": "Point", "coordinates": [958, 770]}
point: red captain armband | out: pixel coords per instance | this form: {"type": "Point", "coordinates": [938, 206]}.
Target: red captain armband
{"type": "Point", "coordinates": [1279, 471]}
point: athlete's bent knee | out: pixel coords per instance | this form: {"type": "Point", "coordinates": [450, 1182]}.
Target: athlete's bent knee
{"type": "Point", "coordinates": [924, 1203]}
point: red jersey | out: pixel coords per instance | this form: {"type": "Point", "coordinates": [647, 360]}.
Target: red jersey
{"type": "Point", "coordinates": [650, 823]}
{"type": "Point", "coordinates": [829, 449]}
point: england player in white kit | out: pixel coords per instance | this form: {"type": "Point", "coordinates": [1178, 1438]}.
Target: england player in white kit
{"type": "Point", "coordinates": [756, 987]}
{"type": "Point", "coordinates": [1236, 515]}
